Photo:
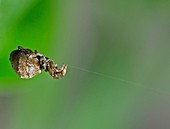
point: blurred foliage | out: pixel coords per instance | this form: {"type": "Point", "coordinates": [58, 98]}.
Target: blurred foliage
{"type": "Point", "coordinates": [120, 54]}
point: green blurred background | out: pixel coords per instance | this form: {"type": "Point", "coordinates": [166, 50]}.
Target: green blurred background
{"type": "Point", "coordinates": [128, 40]}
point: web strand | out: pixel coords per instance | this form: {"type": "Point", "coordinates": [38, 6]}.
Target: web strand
{"type": "Point", "coordinates": [118, 79]}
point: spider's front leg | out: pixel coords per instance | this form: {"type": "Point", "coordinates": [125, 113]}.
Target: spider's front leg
{"type": "Point", "coordinates": [56, 72]}
{"type": "Point", "coordinates": [61, 71]}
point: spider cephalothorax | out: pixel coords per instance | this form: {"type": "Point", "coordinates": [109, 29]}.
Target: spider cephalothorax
{"type": "Point", "coordinates": [27, 64]}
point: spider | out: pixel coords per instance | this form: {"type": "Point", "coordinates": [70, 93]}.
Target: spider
{"type": "Point", "coordinates": [27, 64]}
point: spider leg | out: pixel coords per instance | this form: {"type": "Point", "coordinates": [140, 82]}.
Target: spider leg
{"type": "Point", "coordinates": [60, 72]}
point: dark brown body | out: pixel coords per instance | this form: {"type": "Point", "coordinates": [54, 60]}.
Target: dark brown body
{"type": "Point", "coordinates": [24, 63]}
{"type": "Point", "coordinates": [27, 64]}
